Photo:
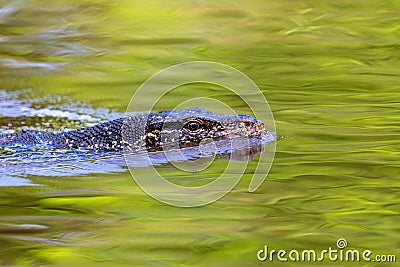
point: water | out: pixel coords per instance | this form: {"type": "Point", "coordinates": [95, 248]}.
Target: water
{"type": "Point", "coordinates": [329, 71]}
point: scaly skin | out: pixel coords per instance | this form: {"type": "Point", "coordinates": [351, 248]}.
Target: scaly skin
{"type": "Point", "coordinates": [177, 128]}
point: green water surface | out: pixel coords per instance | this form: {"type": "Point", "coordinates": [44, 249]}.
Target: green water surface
{"type": "Point", "coordinates": [330, 71]}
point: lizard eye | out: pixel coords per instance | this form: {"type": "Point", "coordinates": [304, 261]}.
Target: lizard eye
{"type": "Point", "coordinates": [192, 126]}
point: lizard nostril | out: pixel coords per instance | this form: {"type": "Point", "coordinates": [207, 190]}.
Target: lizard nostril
{"type": "Point", "coordinates": [247, 123]}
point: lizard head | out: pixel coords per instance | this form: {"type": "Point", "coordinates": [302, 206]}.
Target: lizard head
{"type": "Point", "coordinates": [189, 127]}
